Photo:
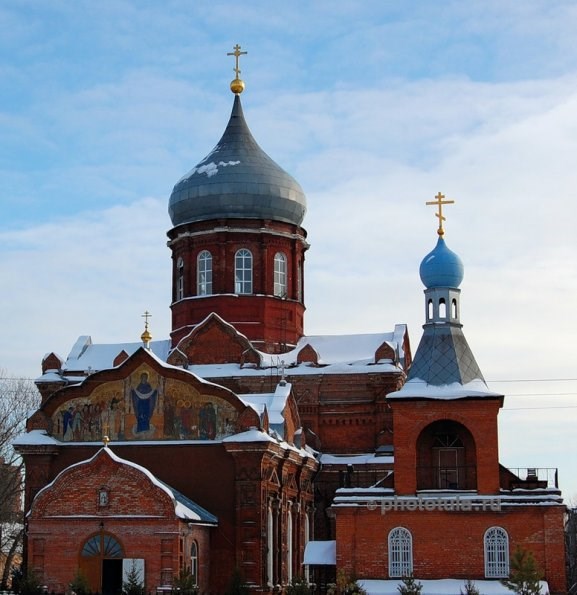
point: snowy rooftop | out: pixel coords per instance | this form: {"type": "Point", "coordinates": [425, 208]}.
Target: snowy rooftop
{"type": "Point", "coordinates": [418, 388]}
{"type": "Point", "coordinates": [86, 355]}
{"type": "Point", "coordinates": [335, 354]}
{"type": "Point", "coordinates": [274, 403]}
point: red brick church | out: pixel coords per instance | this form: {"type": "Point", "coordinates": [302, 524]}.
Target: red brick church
{"type": "Point", "coordinates": [240, 445]}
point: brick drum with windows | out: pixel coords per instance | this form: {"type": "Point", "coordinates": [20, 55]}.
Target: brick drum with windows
{"type": "Point", "coordinates": [240, 444]}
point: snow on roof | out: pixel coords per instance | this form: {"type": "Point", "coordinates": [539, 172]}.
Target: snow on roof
{"type": "Point", "coordinates": [85, 355]}
{"type": "Point", "coordinates": [362, 459]}
{"type": "Point", "coordinates": [49, 376]}
{"type": "Point", "coordinates": [340, 349]}
{"type": "Point", "coordinates": [342, 353]}
{"type": "Point", "coordinates": [417, 388]}
{"type": "Point", "coordinates": [252, 435]}
{"type": "Point", "coordinates": [183, 507]}
{"type": "Point", "coordinates": [446, 586]}
{"type": "Point", "coordinates": [35, 438]}
{"type": "Point", "coordinates": [321, 552]}
{"type": "Point", "coordinates": [274, 403]}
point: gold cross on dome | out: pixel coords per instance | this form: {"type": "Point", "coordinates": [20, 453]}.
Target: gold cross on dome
{"type": "Point", "coordinates": [236, 54]}
{"type": "Point", "coordinates": [439, 202]}
{"type": "Point", "coordinates": [146, 316]}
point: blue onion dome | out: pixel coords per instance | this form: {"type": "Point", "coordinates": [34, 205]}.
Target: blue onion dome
{"type": "Point", "coordinates": [238, 180]}
{"type": "Point", "coordinates": [441, 267]}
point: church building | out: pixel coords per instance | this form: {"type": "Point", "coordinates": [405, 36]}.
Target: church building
{"type": "Point", "coordinates": [241, 447]}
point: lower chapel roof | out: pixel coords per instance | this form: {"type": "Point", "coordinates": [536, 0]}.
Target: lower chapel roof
{"type": "Point", "coordinates": [338, 354]}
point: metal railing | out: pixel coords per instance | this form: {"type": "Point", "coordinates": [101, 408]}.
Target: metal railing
{"type": "Point", "coordinates": [529, 477]}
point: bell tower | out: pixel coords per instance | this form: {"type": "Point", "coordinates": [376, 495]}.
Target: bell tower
{"type": "Point", "coordinates": [238, 248]}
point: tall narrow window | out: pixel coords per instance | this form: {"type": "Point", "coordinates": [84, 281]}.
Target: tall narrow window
{"type": "Point", "coordinates": [300, 283]}
{"type": "Point", "coordinates": [243, 271]}
{"type": "Point", "coordinates": [179, 279]}
{"type": "Point", "coordinates": [307, 539]}
{"type": "Point", "coordinates": [400, 553]}
{"type": "Point", "coordinates": [270, 546]}
{"type": "Point", "coordinates": [289, 546]}
{"type": "Point", "coordinates": [204, 273]}
{"type": "Point", "coordinates": [194, 562]}
{"type": "Point", "coordinates": [496, 553]}
{"type": "Point", "coordinates": [280, 276]}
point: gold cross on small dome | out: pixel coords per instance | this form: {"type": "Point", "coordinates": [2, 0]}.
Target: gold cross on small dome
{"type": "Point", "coordinates": [439, 202]}
{"type": "Point", "coordinates": [236, 86]}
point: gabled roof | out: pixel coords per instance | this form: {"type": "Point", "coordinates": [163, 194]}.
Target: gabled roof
{"type": "Point", "coordinates": [184, 508]}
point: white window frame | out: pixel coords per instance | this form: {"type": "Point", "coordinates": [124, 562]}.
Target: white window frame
{"type": "Point", "coordinates": [270, 546]}
{"type": "Point", "coordinates": [280, 275]}
{"type": "Point", "coordinates": [194, 562]}
{"type": "Point", "coordinates": [243, 271]}
{"type": "Point", "coordinates": [400, 553]}
{"type": "Point", "coordinates": [179, 279]}
{"type": "Point", "coordinates": [496, 546]}
{"type": "Point", "coordinates": [204, 273]}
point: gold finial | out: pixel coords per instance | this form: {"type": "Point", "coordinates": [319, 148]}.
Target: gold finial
{"type": "Point", "coordinates": [146, 336]}
{"type": "Point", "coordinates": [440, 202]}
{"type": "Point", "coordinates": [236, 86]}
{"type": "Point", "coordinates": [105, 440]}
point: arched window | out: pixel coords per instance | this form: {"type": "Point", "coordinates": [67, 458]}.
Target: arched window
{"type": "Point", "coordinates": [496, 553]}
{"type": "Point", "coordinates": [280, 276]}
{"type": "Point", "coordinates": [243, 271]}
{"type": "Point", "coordinates": [454, 312]}
{"type": "Point", "coordinates": [400, 553]}
{"type": "Point", "coordinates": [103, 545]}
{"type": "Point", "coordinates": [430, 312]}
{"type": "Point", "coordinates": [194, 562]}
{"type": "Point", "coordinates": [204, 273]}
{"type": "Point", "coordinates": [442, 308]}
{"type": "Point", "coordinates": [179, 279]}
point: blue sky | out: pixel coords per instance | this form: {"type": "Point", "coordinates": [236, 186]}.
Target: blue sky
{"type": "Point", "coordinates": [373, 106]}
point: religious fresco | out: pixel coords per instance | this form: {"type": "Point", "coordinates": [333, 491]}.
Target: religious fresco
{"type": "Point", "coordinates": [145, 406]}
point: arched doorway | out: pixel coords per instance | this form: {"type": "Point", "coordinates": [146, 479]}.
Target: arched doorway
{"type": "Point", "coordinates": [446, 457]}
{"type": "Point", "coordinates": [101, 563]}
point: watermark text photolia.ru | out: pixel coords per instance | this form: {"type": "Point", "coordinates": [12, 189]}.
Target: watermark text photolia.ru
{"type": "Point", "coordinates": [452, 504]}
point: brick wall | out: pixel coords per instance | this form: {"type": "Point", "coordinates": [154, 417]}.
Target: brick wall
{"type": "Point", "coordinates": [449, 544]}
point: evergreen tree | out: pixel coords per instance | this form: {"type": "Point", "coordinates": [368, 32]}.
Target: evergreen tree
{"type": "Point", "coordinates": [185, 583]}
{"type": "Point", "coordinates": [237, 586]}
{"type": "Point", "coordinates": [345, 586]}
{"type": "Point", "coordinates": [525, 575]}
{"type": "Point", "coordinates": [410, 586]}
{"type": "Point", "coordinates": [134, 583]}
{"type": "Point", "coordinates": [79, 584]}
{"type": "Point", "coordinates": [298, 586]}
{"type": "Point", "coordinates": [470, 588]}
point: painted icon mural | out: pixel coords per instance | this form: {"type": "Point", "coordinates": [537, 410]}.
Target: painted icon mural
{"type": "Point", "coordinates": [143, 399]}
{"type": "Point", "coordinates": [145, 406]}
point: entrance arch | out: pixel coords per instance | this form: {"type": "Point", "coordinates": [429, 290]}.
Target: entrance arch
{"type": "Point", "coordinates": [446, 457]}
{"type": "Point", "coordinates": [101, 563]}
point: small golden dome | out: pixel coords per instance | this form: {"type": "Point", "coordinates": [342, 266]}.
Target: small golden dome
{"type": "Point", "coordinates": [237, 86]}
